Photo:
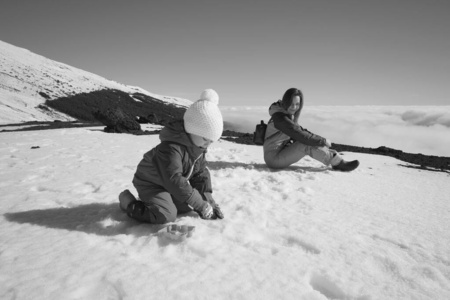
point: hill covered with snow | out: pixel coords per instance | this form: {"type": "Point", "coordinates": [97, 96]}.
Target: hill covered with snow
{"type": "Point", "coordinates": [27, 80]}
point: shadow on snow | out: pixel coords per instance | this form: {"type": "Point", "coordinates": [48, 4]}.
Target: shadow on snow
{"type": "Point", "coordinates": [218, 165]}
{"type": "Point", "coordinates": [95, 218]}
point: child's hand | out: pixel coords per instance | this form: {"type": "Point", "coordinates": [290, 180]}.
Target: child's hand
{"type": "Point", "coordinates": [218, 212]}
{"type": "Point", "coordinates": [207, 211]}
{"type": "Point", "coordinates": [216, 209]}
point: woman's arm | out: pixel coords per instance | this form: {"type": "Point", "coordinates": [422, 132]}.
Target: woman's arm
{"type": "Point", "coordinates": [284, 123]}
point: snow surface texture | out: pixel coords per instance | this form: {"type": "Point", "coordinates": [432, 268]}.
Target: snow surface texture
{"type": "Point", "coordinates": [305, 232]}
{"type": "Point", "coordinates": [23, 75]}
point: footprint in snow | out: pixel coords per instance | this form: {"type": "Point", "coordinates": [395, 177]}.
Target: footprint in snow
{"type": "Point", "coordinates": [292, 241]}
{"type": "Point", "coordinates": [330, 290]}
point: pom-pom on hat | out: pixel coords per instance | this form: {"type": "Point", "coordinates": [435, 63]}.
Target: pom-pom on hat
{"type": "Point", "coordinates": [203, 117]}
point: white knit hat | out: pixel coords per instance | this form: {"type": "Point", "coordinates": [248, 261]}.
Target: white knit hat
{"type": "Point", "coordinates": [203, 117]}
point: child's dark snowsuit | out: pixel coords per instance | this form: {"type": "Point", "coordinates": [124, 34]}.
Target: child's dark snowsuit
{"type": "Point", "coordinates": [172, 178]}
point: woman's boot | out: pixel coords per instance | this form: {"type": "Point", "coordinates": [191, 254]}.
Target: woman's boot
{"type": "Point", "coordinates": [346, 166]}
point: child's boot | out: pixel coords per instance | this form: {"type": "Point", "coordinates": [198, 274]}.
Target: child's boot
{"type": "Point", "coordinates": [346, 166]}
{"type": "Point", "coordinates": [125, 198]}
{"type": "Point", "coordinates": [143, 213]}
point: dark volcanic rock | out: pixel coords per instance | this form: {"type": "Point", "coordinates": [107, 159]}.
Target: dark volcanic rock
{"type": "Point", "coordinates": [117, 121]}
{"type": "Point", "coordinates": [238, 137]}
{"type": "Point", "coordinates": [424, 161]}
{"type": "Point", "coordinates": [150, 119]}
{"type": "Point", "coordinates": [81, 106]}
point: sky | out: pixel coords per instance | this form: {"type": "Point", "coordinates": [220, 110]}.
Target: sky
{"type": "Point", "coordinates": [347, 52]}
{"type": "Point", "coordinates": [304, 233]}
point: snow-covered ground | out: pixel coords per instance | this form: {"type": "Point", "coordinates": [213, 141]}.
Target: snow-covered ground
{"type": "Point", "coordinates": [306, 232]}
{"type": "Point", "coordinates": [24, 75]}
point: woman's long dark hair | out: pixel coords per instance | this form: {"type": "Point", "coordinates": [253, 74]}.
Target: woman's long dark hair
{"type": "Point", "coordinates": [286, 101]}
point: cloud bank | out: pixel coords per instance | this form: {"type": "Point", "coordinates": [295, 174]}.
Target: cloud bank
{"type": "Point", "coordinates": [413, 129]}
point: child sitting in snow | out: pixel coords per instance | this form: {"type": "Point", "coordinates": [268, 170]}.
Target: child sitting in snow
{"type": "Point", "coordinates": [286, 142]}
{"type": "Point", "coordinates": [172, 177]}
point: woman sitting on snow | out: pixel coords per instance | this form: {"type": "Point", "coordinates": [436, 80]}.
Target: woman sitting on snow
{"type": "Point", "coordinates": [286, 142]}
{"type": "Point", "coordinates": [172, 178]}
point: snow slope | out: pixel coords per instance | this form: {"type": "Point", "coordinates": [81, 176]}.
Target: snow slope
{"type": "Point", "coordinates": [24, 75]}
{"type": "Point", "coordinates": [306, 232]}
